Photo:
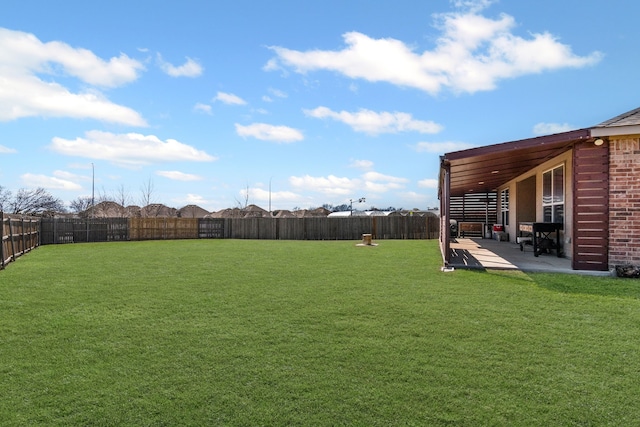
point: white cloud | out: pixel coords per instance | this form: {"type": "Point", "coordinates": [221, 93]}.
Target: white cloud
{"type": "Point", "coordinates": [331, 185]}
{"type": "Point", "coordinates": [379, 183]}
{"type": "Point", "coordinates": [267, 132]}
{"type": "Point", "coordinates": [472, 54]}
{"type": "Point", "coordinates": [23, 52]}
{"type": "Point", "coordinates": [441, 147]}
{"type": "Point", "coordinates": [7, 150]}
{"type": "Point", "coordinates": [278, 93]}
{"type": "Point", "coordinates": [375, 123]}
{"type": "Point", "coordinates": [179, 176]}
{"type": "Point", "coordinates": [368, 183]}
{"type": "Point", "coordinates": [428, 183]}
{"type": "Point", "coordinates": [276, 196]}
{"type": "Point", "coordinates": [131, 149]}
{"type": "Point", "coordinates": [361, 164]}
{"type": "Point", "coordinates": [195, 199]}
{"type": "Point", "coordinates": [24, 58]}
{"type": "Point", "coordinates": [275, 93]}
{"type": "Point", "coordinates": [377, 176]}
{"type": "Point", "coordinates": [551, 128]}
{"type": "Point", "coordinates": [202, 108]}
{"type": "Point", "coordinates": [272, 64]}
{"type": "Point", "coordinates": [27, 96]}
{"type": "Point", "coordinates": [49, 182]}
{"type": "Point", "coordinates": [190, 68]}
{"type": "Point", "coordinates": [70, 176]}
{"type": "Point", "coordinates": [417, 199]}
{"type": "Point", "coordinates": [229, 98]}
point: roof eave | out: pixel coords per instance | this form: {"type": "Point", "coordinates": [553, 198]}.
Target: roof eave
{"type": "Point", "coordinates": [598, 132]}
{"type": "Point", "coordinates": [520, 144]}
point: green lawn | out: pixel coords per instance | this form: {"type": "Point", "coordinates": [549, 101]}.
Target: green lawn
{"type": "Point", "coordinates": [238, 332]}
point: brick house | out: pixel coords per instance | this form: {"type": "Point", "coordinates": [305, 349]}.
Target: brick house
{"type": "Point", "coordinates": [586, 181]}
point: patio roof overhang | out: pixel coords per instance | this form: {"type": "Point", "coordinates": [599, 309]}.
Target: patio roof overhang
{"type": "Point", "coordinates": [485, 169]}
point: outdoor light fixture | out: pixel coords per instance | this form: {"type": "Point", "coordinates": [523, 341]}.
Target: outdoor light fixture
{"type": "Point", "coordinates": [598, 142]}
{"type": "Point", "coordinates": [360, 200]}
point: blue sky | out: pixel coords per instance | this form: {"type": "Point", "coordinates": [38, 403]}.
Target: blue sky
{"type": "Point", "coordinates": [302, 103]}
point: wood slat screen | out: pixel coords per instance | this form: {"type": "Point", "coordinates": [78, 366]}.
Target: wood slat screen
{"type": "Point", "coordinates": [163, 228]}
{"type": "Point", "coordinates": [475, 207]}
{"type": "Point", "coordinates": [590, 207]}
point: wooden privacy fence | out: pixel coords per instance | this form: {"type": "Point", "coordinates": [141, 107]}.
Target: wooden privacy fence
{"type": "Point", "coordinates": [351, 228]}
{"type": "Point", "coordinates": [19, 236]}
{"type": "Point", "coordinates": [77, 230]}
{"type": "Point", "coordinates": [65, 230]}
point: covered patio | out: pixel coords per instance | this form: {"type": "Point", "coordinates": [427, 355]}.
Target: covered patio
{"type": "Point", "coordinates": [573, 191]}
{"type": "Point", "coordinates": [556, 180]}
{"type": "Point", "coordinates": [489, 254]}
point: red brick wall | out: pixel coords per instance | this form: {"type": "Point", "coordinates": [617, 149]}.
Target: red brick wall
{"type": "Point", "coordinates": [624, 200]}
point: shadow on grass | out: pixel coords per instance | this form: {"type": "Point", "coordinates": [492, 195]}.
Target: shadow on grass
{"type": "Point", "coordinates": [574, 283]}
{"type": "Point", "coordinates": [557, 282]}
{"type": "Point", "coordinates": [588, 285]}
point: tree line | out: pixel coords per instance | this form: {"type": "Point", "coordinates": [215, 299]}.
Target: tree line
{"type": "Point", "coordinates": [39, 201]}
{"type": "Point", "coordinates": [36, 201]}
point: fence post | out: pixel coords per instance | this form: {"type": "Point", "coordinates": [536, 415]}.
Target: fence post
{"type": "Point", "coordinates": [1, 239]}
{"type": "Point", "coordinates": [13, 247]}
{"type": "Point", "coordinates": [24, 240]}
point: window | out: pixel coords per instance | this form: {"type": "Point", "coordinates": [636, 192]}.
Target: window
{"type": "Point", "coordinates": [504, 206]}
{"type": "Point", "coordinates": [553, 195]}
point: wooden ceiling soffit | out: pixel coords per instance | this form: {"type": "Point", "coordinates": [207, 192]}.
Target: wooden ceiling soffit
{"type": "Point", "coordinates": [485, 169]}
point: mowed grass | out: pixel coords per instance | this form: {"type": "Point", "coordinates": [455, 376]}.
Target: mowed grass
{"type": "Point", "coordinates": [248, 333]}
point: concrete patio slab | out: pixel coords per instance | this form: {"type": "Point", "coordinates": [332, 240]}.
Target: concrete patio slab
{"type": "Point", "coordinates": [493, 254]}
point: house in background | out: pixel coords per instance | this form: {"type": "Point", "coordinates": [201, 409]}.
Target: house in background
{"type": "Point", "coordinates": [586, 180]}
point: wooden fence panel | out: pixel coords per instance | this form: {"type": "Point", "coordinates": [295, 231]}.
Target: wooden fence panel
{"type": "Point", "coordinates": [19, 236]}
{"type": "Point", "coordinates": [79, 230]}
{"type": "Point", "coordinates": [6, 253]}
{"type": "Point", "coordinates": [406, 227]}
{"type": "Point", "coordinates": [290, 228]}
{"type": "Point", "coordinates": [252, 228]}
{"type": "Point", "coordinates": [211, 228]}
{"type": "Point", "coordinates": [163, 228]}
